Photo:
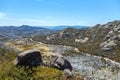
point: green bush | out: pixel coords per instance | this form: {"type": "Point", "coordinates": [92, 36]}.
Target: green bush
{"type": "Point", "coordinates": [10, 72]}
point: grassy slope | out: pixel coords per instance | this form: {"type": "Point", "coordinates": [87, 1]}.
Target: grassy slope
{"type": "Point", "coordinates": [9, 72]}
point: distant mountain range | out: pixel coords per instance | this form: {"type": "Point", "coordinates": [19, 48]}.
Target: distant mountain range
{"type": "Point", "coordinates": [14, 32]}
{"type": "Point", "coordinates": [63, 27]}
{"type": "Point", "coordinates": [27, 27]}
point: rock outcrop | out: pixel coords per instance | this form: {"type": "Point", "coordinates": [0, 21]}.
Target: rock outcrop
{"type": "Point", "coordinates": [33, 58]}
{"type": "Point", "coordinates": [60, 62]}
{"type": "Point", "coordinates": [82, 40]}
{"type": "Point", "coordinates": [29, 58]}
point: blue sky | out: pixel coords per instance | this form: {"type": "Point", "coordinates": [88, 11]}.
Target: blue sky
{"type": "Point", "coordinates": [58, 12]}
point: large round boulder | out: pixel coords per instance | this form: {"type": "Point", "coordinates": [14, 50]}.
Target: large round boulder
{"type": "Point", "coordinates": [59, 62]}
{"type": "Point", "coordinates": [29, 58]}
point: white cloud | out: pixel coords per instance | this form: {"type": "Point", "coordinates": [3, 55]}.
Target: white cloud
{"type": "Point", "coordinates": [7, 20]}
{"type": "Point", "coordinates": [2, 15]}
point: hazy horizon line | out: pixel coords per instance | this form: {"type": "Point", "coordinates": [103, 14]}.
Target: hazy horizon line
{"type": "Point", "coordinates": [43, 25]}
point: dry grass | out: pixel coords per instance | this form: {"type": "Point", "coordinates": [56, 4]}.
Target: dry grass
{"type": "Point", "coordinates": [43, 48]}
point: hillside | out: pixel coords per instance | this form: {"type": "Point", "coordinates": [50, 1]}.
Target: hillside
{"type": "Point", "coordinates": [87, 66]}
{"type": "Point", "coordinates": [101, 40]}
